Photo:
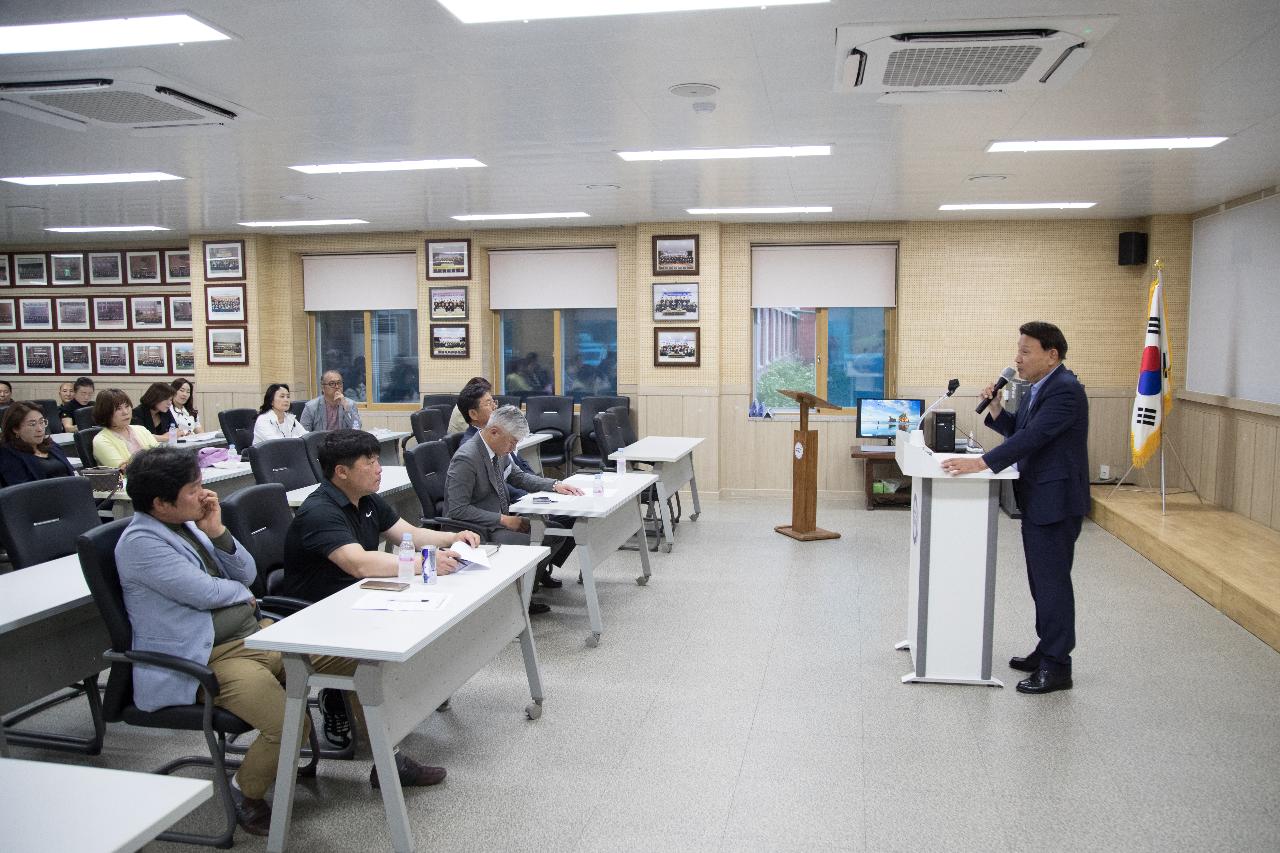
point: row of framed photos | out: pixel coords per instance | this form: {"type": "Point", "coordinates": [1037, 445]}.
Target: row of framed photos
{"type": "Point", "coordinates": [673, 254]}
{"type": "Point", "coordinates": [144, 358]}
{"type": "Point", "coordinates": [222, 261]}
{"type": "Point", "coordinates": [223, 304]}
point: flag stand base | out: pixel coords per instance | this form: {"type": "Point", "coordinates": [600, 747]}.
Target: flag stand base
{"type": "Point", "coordinates": [1164, 490]}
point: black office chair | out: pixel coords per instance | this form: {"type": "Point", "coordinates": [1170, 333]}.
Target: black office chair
{"type": "Point", "coordinates": [507, 400]}
{"type": "Point", "coordinates": [428, 467]}
{"type": "Point", "coordinates": [237, 426]}
{"type": "Point", "coordinates": [610, 438]}
{"type": "Point", "coordinates": [84, 444]}
{"type": "Point", "coordinates": [446, 410]}
{"type": "Point", "coordinates": [284, 461]}
{"type": "Point", "coordinates": [452, 442]}
{"type": "Point", "coordinates": [588, 455]}
{"type": "Point", "coordinates": [427, 425]}
{"type": "Point", "coordinates": [83, 417]}
{"type": "Point", "coordinates": [312, 442]}
{"type": "Point", "coordinates": [623, 414]}
{"type": "Point", "coordinates": [39, 521]}
{"type": "Point", "coordinates": [50, 410]}
{"type": "Point", "coordinates": [98, 562]}
{"type": "Point", "coordinates": [296, 407]}
{"type": "Point", "coordinates": [429, 400]}
{"type": "Point", "coordinates": [552, 415]}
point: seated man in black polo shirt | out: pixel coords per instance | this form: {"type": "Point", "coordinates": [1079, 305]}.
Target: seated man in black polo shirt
{"type": "Point", "coordinates": [334, 538]}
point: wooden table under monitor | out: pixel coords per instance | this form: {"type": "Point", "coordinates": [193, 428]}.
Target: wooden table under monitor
{"type": "Point", "coordinates": [883, 458]}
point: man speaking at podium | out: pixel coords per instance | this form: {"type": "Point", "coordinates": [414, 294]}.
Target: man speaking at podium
{"type": "Point", "coordinates": [1048, 438]}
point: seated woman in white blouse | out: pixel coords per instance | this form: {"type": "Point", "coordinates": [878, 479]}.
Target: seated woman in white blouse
{"type": "Point", "coordinates": [183, 407]}
{"type": "Point", "coordinates": [275, 420]}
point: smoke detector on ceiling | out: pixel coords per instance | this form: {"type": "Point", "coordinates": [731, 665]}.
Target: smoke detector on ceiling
{"type": "Point", "coordinates": [133, 99]}
{"type": "Point", "coordinates": [957, 61]}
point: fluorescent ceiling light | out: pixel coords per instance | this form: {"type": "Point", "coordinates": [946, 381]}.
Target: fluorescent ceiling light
{"type": "Point", "coordinates": [1107, 144]}
{"type": "Point", "coordinates": [119, 178]}
{"type": "Point", "coordinates": [90, 229]}
{"type": "Point", "coordinates": [702, 211]}
{"type": "Point", "coordinates": [478, 217]}
{"type": "Point", "coordinates": [1035, 205]}
{"type": "Point", "coordinates": [389, 166]}
{"type": "Point", "coordinates": [294, 223]}
{"type": "Point", "coordinates": [112, 32]}
{"type": "Point", "coordinates": [488, 11]}
{"type": "Point", "coordinates": [729, 153]}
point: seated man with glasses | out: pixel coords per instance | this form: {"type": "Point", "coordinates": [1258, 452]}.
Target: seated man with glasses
{"type": "Point", "coordinates": [331, 410]}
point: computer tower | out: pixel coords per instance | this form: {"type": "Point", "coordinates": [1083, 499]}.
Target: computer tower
{"type": "Point", "coordinates": [940, 430]}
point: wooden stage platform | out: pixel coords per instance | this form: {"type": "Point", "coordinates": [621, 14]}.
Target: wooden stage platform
{"type": "Point", "coordinates": [1226, 559]}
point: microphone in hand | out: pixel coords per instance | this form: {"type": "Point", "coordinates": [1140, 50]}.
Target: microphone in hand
{"type": "Point", "coordinates": [1005, 375]}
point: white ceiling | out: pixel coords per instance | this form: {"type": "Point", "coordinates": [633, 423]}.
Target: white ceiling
{"type": "Point", "coordinates": [545, 105]}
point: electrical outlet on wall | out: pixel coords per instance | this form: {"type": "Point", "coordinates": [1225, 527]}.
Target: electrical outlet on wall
{"type": "Point", "coordinates": [1104, 472]}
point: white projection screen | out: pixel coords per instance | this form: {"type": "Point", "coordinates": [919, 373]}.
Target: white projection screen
{"type": "Point", "coordinates": [1235, 303]}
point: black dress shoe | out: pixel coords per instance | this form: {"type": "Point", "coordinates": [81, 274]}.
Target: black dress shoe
{"type": "Point", "coordinates": [536, 607]}
{"type": "Point", "coordinates": [549, 582]}
{"type": "Point", "coordinates": [253, 816]}
{"type": "Point", "coordinates": [1045, 681]}
{"type": "Point", "coordinates": [1031, 663]}
{"type": "Point", "coordinates": [411, 773]}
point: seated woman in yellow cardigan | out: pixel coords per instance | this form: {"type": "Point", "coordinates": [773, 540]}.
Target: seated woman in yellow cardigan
{"type": "Point", "coordinates": [119, 439]}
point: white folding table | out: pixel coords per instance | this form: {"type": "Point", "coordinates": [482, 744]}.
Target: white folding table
{"type": "Point", "coordinates": [395, 487]}
{"type": "Point", "coordinates": [51, 636]}
{"type": "Point", "coordinates": [389, 445]}
{"type": "Point", "coordinates": [528, 449]}
{"type": "Point", "coordinates": [49, 807]}
{"type": "Point", "coordinates": [223, 480]}
{"type": "Point", "coordinates": [407, 664]}
{"type": "Point", "coordinates": [672, 460]}
{"type": "Point", "coordinates": [601, 525]}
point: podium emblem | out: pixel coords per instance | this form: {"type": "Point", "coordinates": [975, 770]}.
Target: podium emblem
{"type": "Point", "coordinates": [799, 451]}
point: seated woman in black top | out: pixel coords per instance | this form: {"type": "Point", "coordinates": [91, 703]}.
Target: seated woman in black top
{"type": "Point", "coordinates": [153, 410]}
{"type": "Point", "coordinates": [26, 451]}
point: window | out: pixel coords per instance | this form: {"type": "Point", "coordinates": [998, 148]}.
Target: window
{"type": "Point", "coordinates": [380, 369]}
{"type": "Point", "coordinates": [836, 353]}
{"type": "Point", "coordinates": [580, 361]}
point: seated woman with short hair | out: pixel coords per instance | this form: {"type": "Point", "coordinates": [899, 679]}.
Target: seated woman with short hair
{"type": "Point", "coordinates": [119, 439]}
{"type": "Point", "coordinates": [153, 411]}
{"type": "Point", "coordinates": [26, 451]}
{"type": "Point", "coordinates": [274, 418]}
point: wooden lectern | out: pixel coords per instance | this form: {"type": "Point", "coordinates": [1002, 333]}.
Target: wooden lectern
{"type": "Point", "coordinates": [804, 474]}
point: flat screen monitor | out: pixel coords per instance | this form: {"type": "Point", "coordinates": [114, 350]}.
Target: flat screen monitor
{"type": "Point", "coordinates": [883, 418]}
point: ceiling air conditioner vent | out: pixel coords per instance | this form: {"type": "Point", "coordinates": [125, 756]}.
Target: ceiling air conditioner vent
{"type": "Point", "coordinates": [901, 63]}
{"type": "Point", "coordinates": [135, 99]}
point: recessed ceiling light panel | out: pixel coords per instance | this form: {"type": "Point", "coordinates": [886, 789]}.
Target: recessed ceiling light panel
{"type": "Point", "coordinates": [489, 11]}
{"type": "Point", "coordinates": [1033, 205]}
{"type": "Point", "coordinates": [93, 229]}
{"type": "Point", "coordinates": [118, 178]}
{"type": "Point", "coordinates": [481, 217]}
{"type": "Point", "coordinates": [711, 211]}
{"type": "Point", "coordinates": [389, 166]}
{"type": "Point", "coordinates": [1155, 143]}
{"type": "Point", "coordinates": [114, 32]}
{"type": "Point", "coordinates": [729, 153]}
{"type": "Point", "coordinates": [299, 223]}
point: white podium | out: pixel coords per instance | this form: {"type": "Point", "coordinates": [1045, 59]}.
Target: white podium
{"type": "Point", "coordinates": [951, 583]}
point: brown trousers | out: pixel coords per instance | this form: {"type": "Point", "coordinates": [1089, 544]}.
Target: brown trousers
{"type": "Point", "coordinates": [251, 685]}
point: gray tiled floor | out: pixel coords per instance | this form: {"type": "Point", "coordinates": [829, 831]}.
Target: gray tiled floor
{"type": "Point", "coordinates": [748, 699]}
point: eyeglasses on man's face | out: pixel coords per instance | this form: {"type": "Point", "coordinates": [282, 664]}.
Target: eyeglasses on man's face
{"type": "Point", "coordinates": [332, 384]}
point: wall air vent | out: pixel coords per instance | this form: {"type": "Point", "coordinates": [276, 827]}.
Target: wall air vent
{"type": "Point", "coordinates": [910, 63]}
{"type": "Point", "coordinates": [133, 99]}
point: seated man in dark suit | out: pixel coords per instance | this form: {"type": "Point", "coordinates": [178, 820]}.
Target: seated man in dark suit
{"type": "Point", "coordinates": [479, 474]}
{"type": "Point", "coordinates": [475, 404]}
{"type": "Point", "coordinates": [185, 581]}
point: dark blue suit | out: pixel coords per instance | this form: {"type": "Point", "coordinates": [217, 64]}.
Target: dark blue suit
{"type": "Point", "coordinates": [1049, 440]}
{"type": "Point", "coordinates": [17, 467]}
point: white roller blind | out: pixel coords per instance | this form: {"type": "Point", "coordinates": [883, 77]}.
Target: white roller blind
{"type": "Point", "coordinates": [860, 276]}
{"type": "Point", "coordinates": [359, 282]}
{"type": "Point", "coordinates": [553, 278]}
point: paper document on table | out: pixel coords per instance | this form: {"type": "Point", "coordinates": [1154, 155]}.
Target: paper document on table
{"type": "Point", "coordinates": [472, 559]}
{"type": "Point", "coordinates": [199, 436]}
{"type": "Point", "coordinates": [412, 601]}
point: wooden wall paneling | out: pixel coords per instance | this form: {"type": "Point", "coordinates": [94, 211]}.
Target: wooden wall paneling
{"type": "Point", "coordinates": [1245, 440]}
{"type": "Point", "coordinates": [1264, 482]}
{"type": "Point", "coordinates": [701, 418]}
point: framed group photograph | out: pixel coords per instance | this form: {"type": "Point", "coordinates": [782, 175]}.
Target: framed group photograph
{"type": "Point", "coordinates": [35, 314]}
{"type": "Point", "coordinates": [110, 312]}
{"type": "Point", "coordinates": [676, 255]}
{"type": "Point", "coordinates": [104, 268]}
{"type": "Point", "coordinates": [30, 270]}
{"type": "Point", "coordinates": [177, 266]}
{"type": "Point", "coordinates": [143, 267]}
{"type": "Point", "coordinates": [450, 342]}
{"type": "Point", "coordinates": [147, 312]}
{"type": "Point", "coordinates": [5, 280]}
{"type": "Point", "coordinates": [8, 320]}
{"type": "Point", "coordinates": [112, 356]}
{"type": "Point", "coordinates": [8, 358]}
{"type": "Point", "coordinates": [75, 358]}
{"type": "Point", "coordinates": [73, 314]}
{"type": "Point", "coordinates": [228, 346]}
{"type": "Point", "coordinates": [449, 259]}
{"type": "Point", "coordinates": [67, 267]}
{"type": "Point", "coordinates": [224, 260]}
{"type": "Point", "coordinates": [677, 347]}
{"type": "Point", "coordinates": [180, 312]}
{"type": "Point", "coordinates": [150, 357]}
{"type": "Point", "coordinates": [675, 301]}
{"type": "Point", "coordinates": [224, 304]}
{"type": "Point", "coordinates": [37, 358]}
{"type": "Point", "coordinates": [184, 356]}
{"type": "Point", "coordinates": [448, 303]}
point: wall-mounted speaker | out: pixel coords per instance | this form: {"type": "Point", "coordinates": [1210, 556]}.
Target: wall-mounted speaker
{"type": "Point", "coordinates": [1133, 248]}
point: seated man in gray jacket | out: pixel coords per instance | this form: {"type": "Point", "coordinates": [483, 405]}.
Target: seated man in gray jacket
{"type": "Point", "coordinates": [331, 410]}
{"type": "Point", "coordinates": [476, 486]}
{"type": "Point", "coordinates": [186, 581]}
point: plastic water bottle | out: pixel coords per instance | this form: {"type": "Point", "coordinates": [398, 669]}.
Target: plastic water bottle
{"type": "Point", "coordinates": [428, 565]}
{"type": "Point", "coordinates": [404, 558]}
{"type": "Point", "coordinates": [597, 485]}
{"type": "Point", "coordinates": [173, 436]}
